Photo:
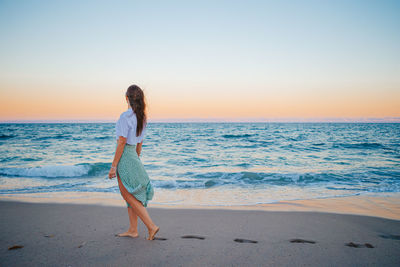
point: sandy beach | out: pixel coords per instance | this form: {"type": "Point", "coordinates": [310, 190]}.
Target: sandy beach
{"type": "Point", "coordinates": [255, 133]}
{"type": "Point", "coordinates": [84, 234]}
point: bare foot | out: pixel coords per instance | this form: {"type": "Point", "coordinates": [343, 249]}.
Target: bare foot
{"type": "Point", "coordinates": [153, 232]}
{"type": "Point", "coordinates": [129, 233]}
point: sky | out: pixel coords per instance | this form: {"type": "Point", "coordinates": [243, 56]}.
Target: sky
{"type": "Point", "coordinates": [201, 60]}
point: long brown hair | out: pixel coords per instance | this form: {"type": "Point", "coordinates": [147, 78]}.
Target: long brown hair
{"type": "Point", "coordinates": [137, 102]}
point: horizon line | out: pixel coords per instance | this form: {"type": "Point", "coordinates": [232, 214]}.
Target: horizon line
{"type": "Point", "coordinates": [219, 120]}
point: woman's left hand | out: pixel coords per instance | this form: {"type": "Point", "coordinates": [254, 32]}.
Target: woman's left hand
{"type": "Point", "coordinates": [112, 173]}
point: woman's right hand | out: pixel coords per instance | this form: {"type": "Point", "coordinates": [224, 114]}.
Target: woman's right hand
{"type": "Point", "coordinates": [112, 173]}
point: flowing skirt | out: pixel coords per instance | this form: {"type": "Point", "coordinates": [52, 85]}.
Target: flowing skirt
{"type": "Point", "coordinates": [133, 175]}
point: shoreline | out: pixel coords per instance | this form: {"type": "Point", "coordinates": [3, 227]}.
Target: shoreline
{"type": "Point", "coordinates": [383, 205]}
{"type": "Point", "coordinates": [75, 235]}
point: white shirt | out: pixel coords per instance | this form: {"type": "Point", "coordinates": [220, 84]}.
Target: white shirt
{"type": "Point", "coordinates": [126, 127]}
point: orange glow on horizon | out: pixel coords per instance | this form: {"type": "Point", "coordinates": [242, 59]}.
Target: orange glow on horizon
{"type": "Point", "coordinates": [107, 104]}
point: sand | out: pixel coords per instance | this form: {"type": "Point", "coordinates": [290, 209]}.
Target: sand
{"type": "Point", "coordinates": [84, 235]}
{"type": "Point", "coordinates": [385, 205]}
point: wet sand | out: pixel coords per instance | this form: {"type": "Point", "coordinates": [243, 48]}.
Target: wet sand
{"type": "Point", "coordinates": [84, 234]}
{"type": "Point", "coordinates": [385, 205]}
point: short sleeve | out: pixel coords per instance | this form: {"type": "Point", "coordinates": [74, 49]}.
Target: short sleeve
{"type": "Point", "coordinates": [122, 127]}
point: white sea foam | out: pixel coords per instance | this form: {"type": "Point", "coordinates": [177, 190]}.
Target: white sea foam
{"type": "Point", "coordinates": [165, 183]}
{"type": "Point", "coordinates": [48, 171]}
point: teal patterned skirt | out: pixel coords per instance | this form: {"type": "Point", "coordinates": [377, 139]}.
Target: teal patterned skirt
{"type": "Point", "coordinates": [133, 175]}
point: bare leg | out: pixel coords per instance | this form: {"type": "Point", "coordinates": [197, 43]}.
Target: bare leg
{"type": "Point", "coordinates": [139, 209]}
{"type": "Point", "coordinates": [132, 219]}
{"type": "Point", "coordinates": [132, 231]}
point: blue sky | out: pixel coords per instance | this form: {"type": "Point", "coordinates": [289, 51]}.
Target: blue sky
{"type": "Point", "coordinates": [201, 59]}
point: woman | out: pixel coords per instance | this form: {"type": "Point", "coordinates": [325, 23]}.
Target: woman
{"type": "Point", "coordinates": [134, 183]}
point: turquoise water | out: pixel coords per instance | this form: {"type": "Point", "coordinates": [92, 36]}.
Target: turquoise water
{"type": "Point", "coordinates": [208, 163]}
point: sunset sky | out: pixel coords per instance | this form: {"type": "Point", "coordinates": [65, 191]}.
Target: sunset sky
{"type": "Point", "coordinates": [201, 60]}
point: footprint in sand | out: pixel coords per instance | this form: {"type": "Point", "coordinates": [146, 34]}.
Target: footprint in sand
{"type": "Point", "coordinates": [15, 247]}
{"type": "Point", "coordinates": [298, 240]}
{"type": "Point", "coordinates": [240, 240]}
{"type": "Point", "coordinates": [82, 244]}
{"type": "Point", "coordinates": [193, 236]}
{"type": "Point", "coordinates": [389, 236]}
{"type": "Point", "coordinates": [160, 238]}
{"type": "Point", "coordinates": [355, 245]}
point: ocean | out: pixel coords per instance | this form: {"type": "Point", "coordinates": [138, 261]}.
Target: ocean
{"type": "Point", "coordinates": [210, 164]}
